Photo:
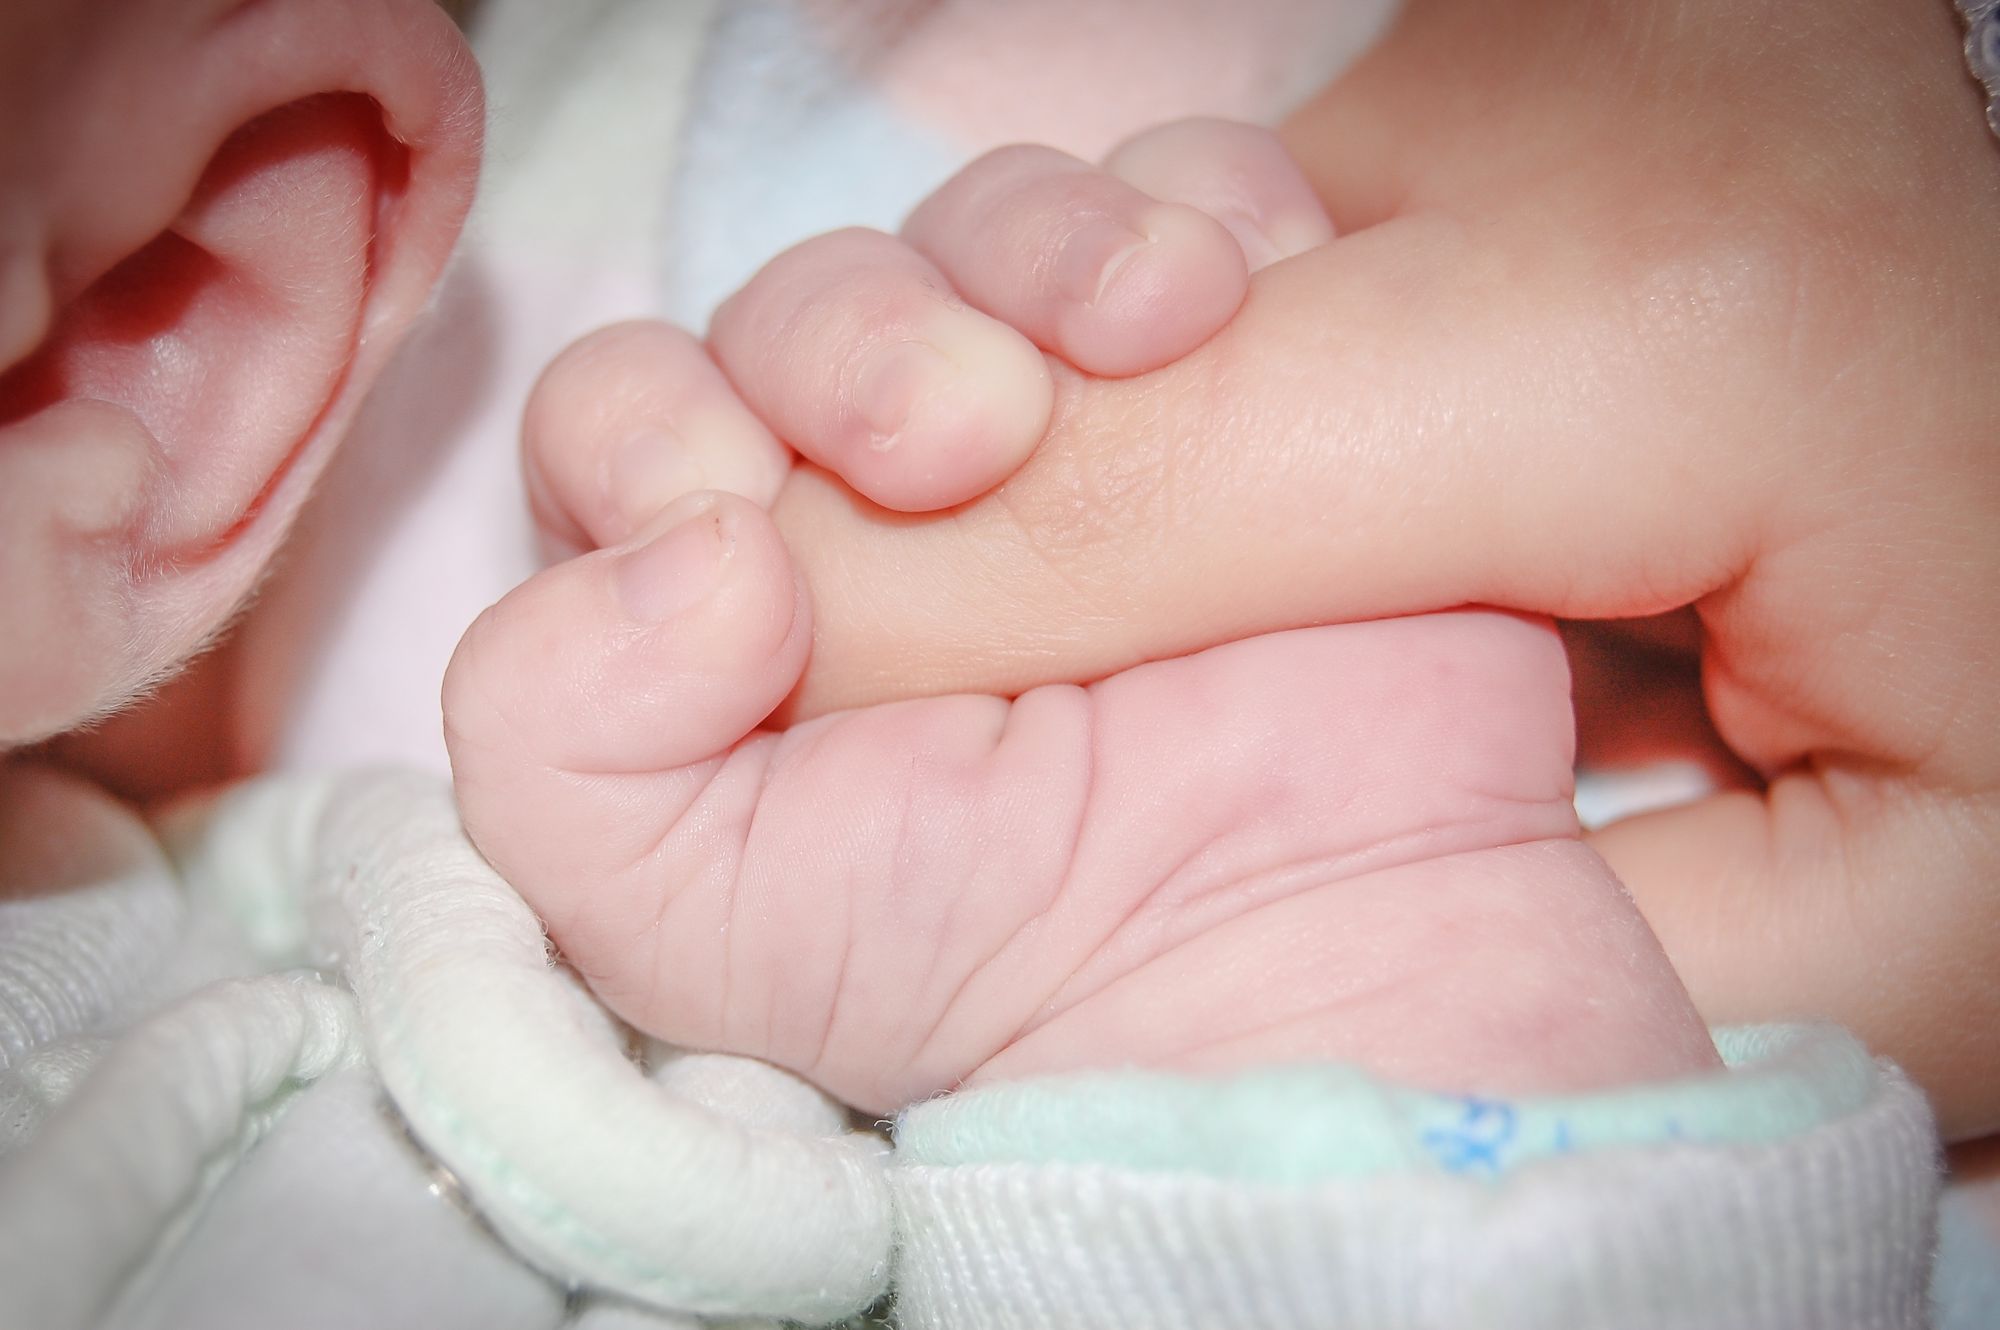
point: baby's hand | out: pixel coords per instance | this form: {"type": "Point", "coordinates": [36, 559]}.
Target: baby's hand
{"type": "Point", "coordinates": [912, 367]}
{"type": "Point", "coordinates": [1346, 843]}
{"type": "Point", "coordinates": [1351, 843]}
{"type": "Point", "coordinates": [1592, 345]}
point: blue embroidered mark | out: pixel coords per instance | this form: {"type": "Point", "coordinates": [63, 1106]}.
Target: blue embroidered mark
{"type": "Point", "coordinates": [1477, 1141]}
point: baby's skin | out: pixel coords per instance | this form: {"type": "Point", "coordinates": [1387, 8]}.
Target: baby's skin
{"type": "Point", "coordinates": [1345, 843]}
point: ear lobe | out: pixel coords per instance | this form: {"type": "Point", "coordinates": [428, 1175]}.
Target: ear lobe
{"type": "Point", "coordinates": [156, 445]}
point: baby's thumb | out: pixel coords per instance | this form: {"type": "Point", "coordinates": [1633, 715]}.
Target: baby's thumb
{"type": "Point", "coordinates": [577, 707]}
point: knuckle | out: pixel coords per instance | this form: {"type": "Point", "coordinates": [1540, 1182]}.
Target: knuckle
{"type": "Point", "coordinates": [797, 276]}
{"type": "Point", "coordinates": [858, 288]}
{"type": "Point", "coordinates": [961, 215]}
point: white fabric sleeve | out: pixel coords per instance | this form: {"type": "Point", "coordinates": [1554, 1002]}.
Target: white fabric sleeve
{"type": "Point", "coordinates": [1830, 1226]}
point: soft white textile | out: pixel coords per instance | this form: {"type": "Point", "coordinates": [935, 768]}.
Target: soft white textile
{"type": "Point", "coordinates": [88, 910]}
{"type": "Point", "coordinates": [336, 1222]}
{"type": "Point", "coordinates": [106, 1183]}
{"type": "Point", "coordinates": [1831, 1229]}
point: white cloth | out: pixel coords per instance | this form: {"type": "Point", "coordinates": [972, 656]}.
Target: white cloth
{"type": "Point", "coordinates": [88, 909]}
{"type": "Point", "coordinates": [1832, 1228]}
{"type": "Point", "coordinates": [335, 1221]}
{"type": "Point", "coordinates": [104, 1187]}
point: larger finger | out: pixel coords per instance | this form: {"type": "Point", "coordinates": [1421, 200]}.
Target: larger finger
{"type": "Point", "coordinates": [1369, 436]}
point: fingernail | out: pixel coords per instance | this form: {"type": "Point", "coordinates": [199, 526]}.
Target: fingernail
{"type": "Point", "coordinates": [891, 383]}
{"type": "Point", "coordinates": [676, 569]}
{"type": "Point", "coordinates": [1093, 257]}
{"type": "Point", "coordinates": [1266, 240]}
{"type": "Point", "coordinates": [1260, 250]}
{"type": "Point", "coordinates": [647, 472]}
{"type": "Point", "coordinates": [1292, 234]}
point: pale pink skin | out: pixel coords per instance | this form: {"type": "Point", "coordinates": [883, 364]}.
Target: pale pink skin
{"type": "Point", "coordinates": [1348, 843]}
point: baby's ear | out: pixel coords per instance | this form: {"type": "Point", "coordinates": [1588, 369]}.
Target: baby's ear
{"type": "Point", "coordinates": [178, 405]}
{"type": "Point", "coordinates": [220, 343]}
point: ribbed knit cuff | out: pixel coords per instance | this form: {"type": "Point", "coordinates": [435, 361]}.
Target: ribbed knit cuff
{"type": "Point", "coordinates": [1830, 1223]}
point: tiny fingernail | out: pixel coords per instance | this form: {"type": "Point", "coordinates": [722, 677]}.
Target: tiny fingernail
{"type": "Point", "coordinates": [1260, 249]}
{"type": "Point", "coordinates": [891, 383]}
{"type": "Point", "coordinates": [1293, 233]}
{"type": "Point", "coordinates": [647, 472]}
{"type": "Point", "coordinates": [676, 569]}
{"type": "Point", "coordinates": [1093, 257]}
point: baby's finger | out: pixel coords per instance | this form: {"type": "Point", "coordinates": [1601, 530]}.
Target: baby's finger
{"type": "Point", "coordinates": [592, 703]}
{"type": "Point", "coordinates": [853, 347]}
{"type": "Point", "coordinates": [1092, 269]}
{"type": "Point", "coordinates": [1239, 174]}
{"type": "Point", "coordinates": [629, 419]}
